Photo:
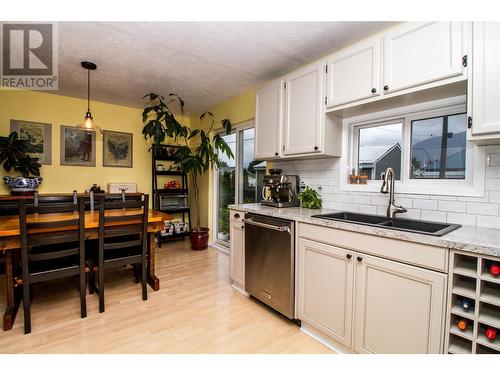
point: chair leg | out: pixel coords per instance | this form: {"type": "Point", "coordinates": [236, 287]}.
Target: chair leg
{"type": "Point", "coordinates": [83, 294]}
{"type": "Point", "coordinates": [101, 289]}
{"type": "Point", "coordinates": [91, 280]}
{"type": "Point", "coordinates": [27, 308]}
{"type": "Point", "coordinates": [144, 277]}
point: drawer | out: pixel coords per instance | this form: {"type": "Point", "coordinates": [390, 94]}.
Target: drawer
{"type": "Point", "coordinates": [427, 256]}
{"type": "Point", "coordinates": [236, 216]}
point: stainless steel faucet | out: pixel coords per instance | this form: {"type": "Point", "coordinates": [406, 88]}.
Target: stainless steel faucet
{"type": "Point", "coordinates": [388, 187]}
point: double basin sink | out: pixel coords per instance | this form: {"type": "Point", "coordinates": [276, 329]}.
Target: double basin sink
{"type": "Point", "coordinates": [407, 225]}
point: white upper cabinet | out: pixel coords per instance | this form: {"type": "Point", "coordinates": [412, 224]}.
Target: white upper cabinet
{"type": "Point", "coordinates": [268, 120]}
{"type": "Point", "coordinates": [304, 110]}
{"type": "Point", "coordinates": [486, 78]}
{"type": "Point", "coordinates": [417, 53]}
{"type": "Point", "coordinates": [354, 73]}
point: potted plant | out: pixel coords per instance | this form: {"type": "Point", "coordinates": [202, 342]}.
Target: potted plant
{"type": "Point", "coordinates": [160, 123]}
{"type": "Point", "coordinates": [223, 233]}
{"type": "Point", "coordinates": [14, 155]}
{"type": "Point", "coordinates": [310, 198]}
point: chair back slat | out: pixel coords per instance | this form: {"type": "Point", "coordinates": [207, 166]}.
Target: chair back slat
{"type": "Point", "coordinates": [122, 244]}
{"type": "Point", "coordinates": [53, 254]}
{"type": "Point", "coordinates": [53, 224]}
{"type": "Point", "coordinates": [54, 238]}
{"type": "Point", "coordinates": [126, 204]}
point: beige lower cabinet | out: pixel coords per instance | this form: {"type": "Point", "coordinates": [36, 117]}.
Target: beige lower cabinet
{"type": "Point", "coordinates": [325, 290]}
{"type": "Point", "coordinates": [237, 244]}
{"type": "Point", "coordinates": [367, 303]}
{"type": "Point", "coordinates": [398, 308]}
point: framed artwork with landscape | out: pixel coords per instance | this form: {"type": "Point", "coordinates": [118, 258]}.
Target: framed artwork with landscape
{"type": "Point", "coordinates": [77, 146]}
{"type": "Point", "coordinates": [39, 134]}
{"type": "Point", "coordinates": [117, 149]}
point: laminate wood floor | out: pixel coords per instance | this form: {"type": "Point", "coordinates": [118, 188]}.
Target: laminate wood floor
{"type": "Point", "coordinates": [195, 311]}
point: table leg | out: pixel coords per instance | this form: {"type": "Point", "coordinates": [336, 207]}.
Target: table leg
{"type": "Point", "coordinates": [13, 294]}
{"type": "Point", "coordinates": [153, 281]}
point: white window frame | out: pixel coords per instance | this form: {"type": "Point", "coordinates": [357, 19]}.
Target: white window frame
{"type": "Point", "coordinates": [215, 175]}
{"type": "Point", "coordinates": [471, 186]}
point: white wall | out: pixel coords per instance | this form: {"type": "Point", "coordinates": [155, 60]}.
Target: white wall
{"type": "Point", "coordinates": [324, 174]}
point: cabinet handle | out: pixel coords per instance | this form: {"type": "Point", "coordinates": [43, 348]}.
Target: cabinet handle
{"type": "Point", "coordinates": [386, 87]}
{"type": "Point", "coordinates": [242, 227]}
{"type": "Point", "coordinates": [359, 259]}
{"type": "Point", "coordinates": [276, 154]}
{"type": "Point", "coordinates": [348, 256]}
{"type": "Point", "coordinates": [236, 216]}
{"type": "Point", "coordinates": [374, 90]}
{"type": "Point", "coordinates": [315, 147]}
{"type": "Point", "coordinates": [469, 122]}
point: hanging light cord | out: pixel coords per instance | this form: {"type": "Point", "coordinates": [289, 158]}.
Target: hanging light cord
{"type": "Point", "coordinates": [88, 90]}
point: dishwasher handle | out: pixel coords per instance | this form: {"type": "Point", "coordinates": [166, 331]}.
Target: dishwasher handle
{"type": "Point", "coordinates": [284, 228]}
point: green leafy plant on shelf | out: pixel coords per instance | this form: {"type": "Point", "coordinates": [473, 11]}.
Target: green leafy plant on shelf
{"type": "Point", "coordinates": [310, 198]}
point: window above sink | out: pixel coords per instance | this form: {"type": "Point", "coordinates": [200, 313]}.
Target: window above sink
{"type": "Point", "coordinates": [425, 144]}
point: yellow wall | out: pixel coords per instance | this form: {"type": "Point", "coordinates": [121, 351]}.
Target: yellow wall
{"type": "Point", "coordinates": [238, 109]}
{"type": "Point", "coordinates": [61, 110]}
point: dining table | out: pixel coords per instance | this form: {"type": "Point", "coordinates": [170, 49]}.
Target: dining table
{"type": "Point", "coordinates": [10, 248]}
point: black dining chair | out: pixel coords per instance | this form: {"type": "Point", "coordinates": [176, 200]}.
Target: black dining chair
{"type": "Point", "coordinates": [122, 239]}
{"type": "Point", "coordinates": [52, 249]}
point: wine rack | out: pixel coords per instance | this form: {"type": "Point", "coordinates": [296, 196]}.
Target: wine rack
{"type": "Point", "coordinates": [470, 279]}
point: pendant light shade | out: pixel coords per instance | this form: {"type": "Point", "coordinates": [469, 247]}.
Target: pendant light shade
{"type": "Point", "coordinates": [88, 121]}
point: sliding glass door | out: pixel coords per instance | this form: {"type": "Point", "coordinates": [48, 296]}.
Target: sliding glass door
{"type": "Point", "coordinates": [239, 180]}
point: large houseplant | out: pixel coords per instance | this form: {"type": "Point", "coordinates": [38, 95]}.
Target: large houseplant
{"type": "Point", "coordinates": [198, 149]}
{"type": "Point", "coordinates": [14, 155]}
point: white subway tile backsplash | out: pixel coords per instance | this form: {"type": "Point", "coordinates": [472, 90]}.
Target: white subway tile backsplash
{"type": "Point", "coordinates": [324, 174]}
{"type": "Point", "coordinates": [482, 208]}
{"type": "Point", "coordinates": [488, 221]}
{"type": "Point", "coordinates": [494, 196]}
{"type": "Point", "coordinates": [463, 219]}
{"type": "Point", "coordinates": [451, 206]}
{"type": "Point", "coordinates": [433, 215]}
{"type": "Point", "coordinates": [426, 204]}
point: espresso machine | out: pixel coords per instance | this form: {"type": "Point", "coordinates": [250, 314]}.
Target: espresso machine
{"type": "Point", "coordinates": [280, 190]}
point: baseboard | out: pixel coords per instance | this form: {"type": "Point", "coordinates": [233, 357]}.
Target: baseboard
{"type": "Point", "coordinates": [240, 289]}
{"type": "Point", "coordinates": [325, 340]}
{"type": "Point", "coordinates": [221, 249]}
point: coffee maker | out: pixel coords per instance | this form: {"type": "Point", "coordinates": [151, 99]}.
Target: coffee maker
{"type": "Point", "coordinates": [280, 190]}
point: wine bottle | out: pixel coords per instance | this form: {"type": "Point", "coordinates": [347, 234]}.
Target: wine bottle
{"type": "Point", "coordinates": [494, 269]}
{"type": "Point", "coordinates": [491, 333]}
{"type": "Point", "coordinates": [466, 303]}
{"type": "Point", "coordinates": [462, 324]}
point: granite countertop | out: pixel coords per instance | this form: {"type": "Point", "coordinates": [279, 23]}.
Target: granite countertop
{"type": "Point", "coordinates": [467, 238]}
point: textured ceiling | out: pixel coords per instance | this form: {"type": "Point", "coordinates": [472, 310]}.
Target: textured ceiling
{"type": "Point", "coordinates": [204, 62]}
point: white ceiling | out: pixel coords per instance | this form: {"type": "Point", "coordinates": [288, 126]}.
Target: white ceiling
{"type": "Point", "coordinates": [204, 62]}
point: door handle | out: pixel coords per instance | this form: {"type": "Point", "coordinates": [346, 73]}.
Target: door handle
{"type": "Point", "coordinates": [267, 226]}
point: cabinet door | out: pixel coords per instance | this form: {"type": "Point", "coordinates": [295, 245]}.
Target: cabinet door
{"type": "Point", "coordinates": [268, 120]}
{"type": "Point", "coordinates": [417, 53]}
{"type": "Point", "coordinates": [354, 73]}
{"type": "Point", "coordinates": [486, 78]}
{"type": "Point", "coordinates": [398, 308]}
{"type": "Point", "coordinates": [304, 110]}
{"type": "Point", "coordinates": [325, 289]}
{"type": "Point", "coordinates": [237, 243]}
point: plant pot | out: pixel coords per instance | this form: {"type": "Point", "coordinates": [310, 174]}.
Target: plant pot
{"type": "Point", "coordinates": [22, 185]}
{"type": "Point", "coordinates": [354, 179]}
{"type": "Point", "coordinates": [223, 236]}
{"type": "Point", "coordinates": [363, 179]}
{"type": "Point", "coordinates": [199, 239]}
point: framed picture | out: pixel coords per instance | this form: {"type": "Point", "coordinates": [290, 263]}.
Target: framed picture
{"type": "Point", "coordinates": [117, 149]}
{"type": "Point", "coordinates": [39, 134]}
{"type": "Point", "coordinates": [77, 146]}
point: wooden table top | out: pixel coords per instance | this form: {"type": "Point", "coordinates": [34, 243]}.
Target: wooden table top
{"type": "Point", "coordinates": [9, 225]}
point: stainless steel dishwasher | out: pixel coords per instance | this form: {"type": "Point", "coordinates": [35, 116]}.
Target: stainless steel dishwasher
{"type": "Point", "coordinates": [270, 261]}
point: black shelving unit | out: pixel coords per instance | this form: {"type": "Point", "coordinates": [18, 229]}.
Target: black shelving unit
{"type": "Point", "coordinates": [163, 153]}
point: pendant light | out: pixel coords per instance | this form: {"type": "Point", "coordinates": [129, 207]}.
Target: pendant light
{"type": "Point", "coordinates": [88, 121]}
